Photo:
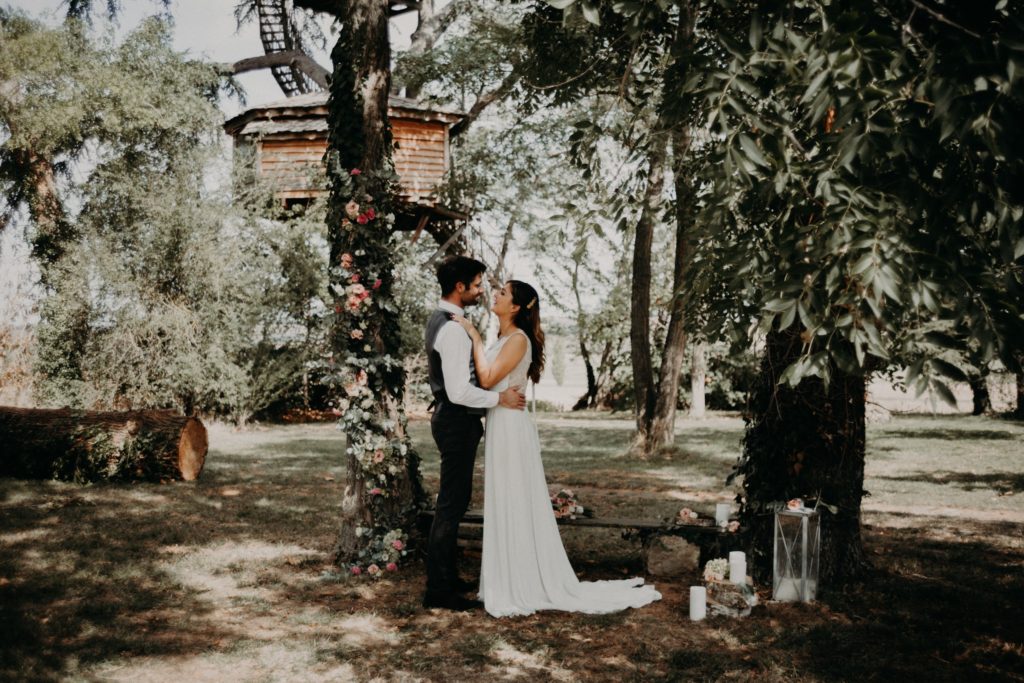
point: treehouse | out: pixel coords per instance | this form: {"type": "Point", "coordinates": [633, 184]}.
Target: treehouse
{"type": "Point", "coordinates": [287, 140]}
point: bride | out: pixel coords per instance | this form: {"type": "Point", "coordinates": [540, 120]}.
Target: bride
{"type": "Point", "coordinates": [525, 568]}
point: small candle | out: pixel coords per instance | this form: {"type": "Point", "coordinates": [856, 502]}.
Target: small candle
{"type": "Point", "coordinates": [737, 567]}
{"type": "Point", "coordinates": [698, 603]}
{"type": "Point", "coordinates": [722, 511]}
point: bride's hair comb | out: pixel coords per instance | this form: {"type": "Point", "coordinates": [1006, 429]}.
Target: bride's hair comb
{"type": "Point", "coordinates": [532, 302]}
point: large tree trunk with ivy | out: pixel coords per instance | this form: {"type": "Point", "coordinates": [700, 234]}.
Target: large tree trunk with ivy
{"type": "Point", "coordinates": [383, 492]}
{"type": "Point", "coordinates": [805, 442]}
{"type": "Point", "coordinates": [86, 446]}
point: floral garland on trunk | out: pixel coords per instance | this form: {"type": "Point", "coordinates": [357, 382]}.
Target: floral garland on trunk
{"type": "Point", "coordinates": [371, 374]}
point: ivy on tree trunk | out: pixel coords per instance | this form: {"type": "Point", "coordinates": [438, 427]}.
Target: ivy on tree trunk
{"type": "Point", "coordinates": [384, 491]}
{"type": "Point", "coordinates": [805, 442]}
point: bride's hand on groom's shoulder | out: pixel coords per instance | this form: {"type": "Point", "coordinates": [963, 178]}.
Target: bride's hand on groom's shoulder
{"type": "Point", "coordinates": [466, 325]}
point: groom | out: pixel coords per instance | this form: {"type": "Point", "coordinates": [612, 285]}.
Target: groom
{"type": "Point", "coordinates": [456, 425]}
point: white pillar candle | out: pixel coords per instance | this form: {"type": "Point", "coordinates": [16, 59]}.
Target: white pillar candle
{"type": "Point", "coordinates": [722, 511]}
{"type": "Point", "coordinates": [698, 603]}
{"type": "Point", "coordinates": [737, 567]}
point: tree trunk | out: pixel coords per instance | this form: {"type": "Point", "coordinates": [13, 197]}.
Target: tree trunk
{"type": "Point", "coordinates": [640, 309]}
{"type": "Point", "coordinates": [982, 401]}
{"type": "Point", "coordinates": [662, 432]}
{"type": "Point", "coordinates": [698, 379]}
{"type": "Point", "coordinates": [383, 492]}
{"type": "Point", "coordinates": [805, 442]}
{"type": "Point", "coordinates": [53, 231]}
{"type": "Point", "coordinates": [85, 446]}
{"type": "Point", "coordinates": [1019, 412]}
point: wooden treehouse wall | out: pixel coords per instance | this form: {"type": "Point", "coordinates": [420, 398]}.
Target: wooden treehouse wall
{"type": "Point", "coordinates": [291, 160]}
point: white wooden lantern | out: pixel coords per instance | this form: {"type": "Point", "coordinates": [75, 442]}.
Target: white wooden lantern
{"type": "Point", "coordinates": [797, 547]}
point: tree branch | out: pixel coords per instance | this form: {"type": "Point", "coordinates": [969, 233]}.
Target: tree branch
{"type": "Point", "coordinates": [296, 58]}
{"type": "Point", "coordinates": [335, 9]}
{"type": "Point", "coordinates": [484, 101]}
{"type": "Point", "coordinates": [942, 18]}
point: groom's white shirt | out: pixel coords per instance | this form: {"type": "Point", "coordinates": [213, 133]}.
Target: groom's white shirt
{"type": "Point", "coordinates": [456, 348]}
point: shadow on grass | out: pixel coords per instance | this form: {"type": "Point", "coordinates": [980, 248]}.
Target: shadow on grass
{"type": "Point", "coordinates": [81, 580]}
{"type": "Point", "coordinates": [952, 434]}
{"type": "Point", "coordinates": [968, 481]}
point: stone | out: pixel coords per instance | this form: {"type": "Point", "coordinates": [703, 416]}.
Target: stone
{"type": "Point", "coordinates": [672, 556]}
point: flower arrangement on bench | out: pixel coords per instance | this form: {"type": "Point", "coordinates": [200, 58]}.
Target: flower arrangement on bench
{"type": "Point", "coordinates": [566, 505]}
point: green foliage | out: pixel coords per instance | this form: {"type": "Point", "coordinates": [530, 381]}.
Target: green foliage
{"type": "Point", "coordinates": [168, 296]}
{"type": "Point", "coordinates": [864, 181]}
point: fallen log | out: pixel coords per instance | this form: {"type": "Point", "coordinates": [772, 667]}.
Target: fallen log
{"type": "Point", "coordinates": [86, 446]}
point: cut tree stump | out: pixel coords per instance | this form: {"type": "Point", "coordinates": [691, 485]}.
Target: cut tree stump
{"type": "Point", "coordinates": [86, 446]}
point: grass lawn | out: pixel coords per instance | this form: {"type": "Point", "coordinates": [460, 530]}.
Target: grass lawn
{"type": "Point", "coordinates": [225, 579]}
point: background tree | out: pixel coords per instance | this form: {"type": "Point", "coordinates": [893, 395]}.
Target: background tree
{"type": "Point", "coordinates": [863, 185]}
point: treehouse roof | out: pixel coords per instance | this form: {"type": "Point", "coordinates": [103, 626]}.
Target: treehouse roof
{"type": "Point", "coordinates": [308, 113]}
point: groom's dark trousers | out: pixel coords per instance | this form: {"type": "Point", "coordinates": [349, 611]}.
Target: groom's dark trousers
{"type": "Point", "coordinates": [457, 433]}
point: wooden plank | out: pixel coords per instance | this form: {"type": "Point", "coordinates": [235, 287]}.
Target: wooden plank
{"type": "Point", "coordinates": [419, 126]}
{"type": "Point", "coordinates": [476, 517]}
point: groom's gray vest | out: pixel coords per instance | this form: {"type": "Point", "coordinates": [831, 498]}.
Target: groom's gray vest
{"type": "Point", "coordinates": [435, 375]}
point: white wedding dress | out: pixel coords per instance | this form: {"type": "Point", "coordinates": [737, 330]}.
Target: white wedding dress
{"type": "Point", "coordinates": [525, 568]}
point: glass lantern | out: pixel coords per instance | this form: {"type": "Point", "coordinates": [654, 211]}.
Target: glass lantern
{"type": "Point", "coordinates": [797, 547]}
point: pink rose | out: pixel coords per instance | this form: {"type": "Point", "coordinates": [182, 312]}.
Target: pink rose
{"type": "Point", "coordinates": [371, 214]}
{"type": "Point", "coordinates": [356, 171]}
{"type": "Point", "coordinates": [356, 289]}
{"type": "Point", "coordinates": [377, 284]}
{"type": "Point", "coordinates": [376, 491]}
{"type": "Point", "coordinates": [346, 261]}
{"type": "Point", "coordinates": [795, 504]}
{"type": "Point", "coordinates": [352, 210]}
{"type": "Point", "coordinates": [378, 456]}
{"type": "Point", "coordinates": [391, 567]}
{"type": "Point", "coordinates": [356, 570]}
{"type": "Point", "coordinates": [397, 545]}
{"type": "Point", "coordinates": [356, 334]}
{"type": "Point", "coordinates": [733, 527]}
{"type": "Point", "coordinates": [336, 412]}
{"type": "Point", "coordinates": [337, 309]}
{"type": "Point", "coordinates": [353, 303]}
{"type": "Point", "coordinates": [356, 277]}
{"type": "Point", "coordinates": [361, 219]}
{"type": "Point", "coordinates": [373, 570]}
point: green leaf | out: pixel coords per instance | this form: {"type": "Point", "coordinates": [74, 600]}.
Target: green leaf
{"type": "Point", "coordinates": [944, 393]}
{"type": "Point", "coordinates": [591, 13]}
{"type": "Point", "coordinates": [752, 150]}
{"type": "Point", "coordinates": [947, 369]}
{"type": "Point", "coordinates": [778, 305]}
{"type": "Point", "coordinates": [814, 86]}
{"type": "Point", "coordinates": [559, 4]}
{"type": "Point", "coordinates": [756, 31]}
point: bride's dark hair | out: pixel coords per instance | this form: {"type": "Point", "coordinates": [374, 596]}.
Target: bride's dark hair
{"type": "Point", "coordinates": [528, 320]}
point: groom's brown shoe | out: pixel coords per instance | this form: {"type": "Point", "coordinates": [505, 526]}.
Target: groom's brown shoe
{"type": "Point", "coordinates": [450, 601]}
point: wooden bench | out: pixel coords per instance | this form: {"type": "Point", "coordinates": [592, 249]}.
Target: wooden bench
{"type": "Point", "coordinates": [711, 540]}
